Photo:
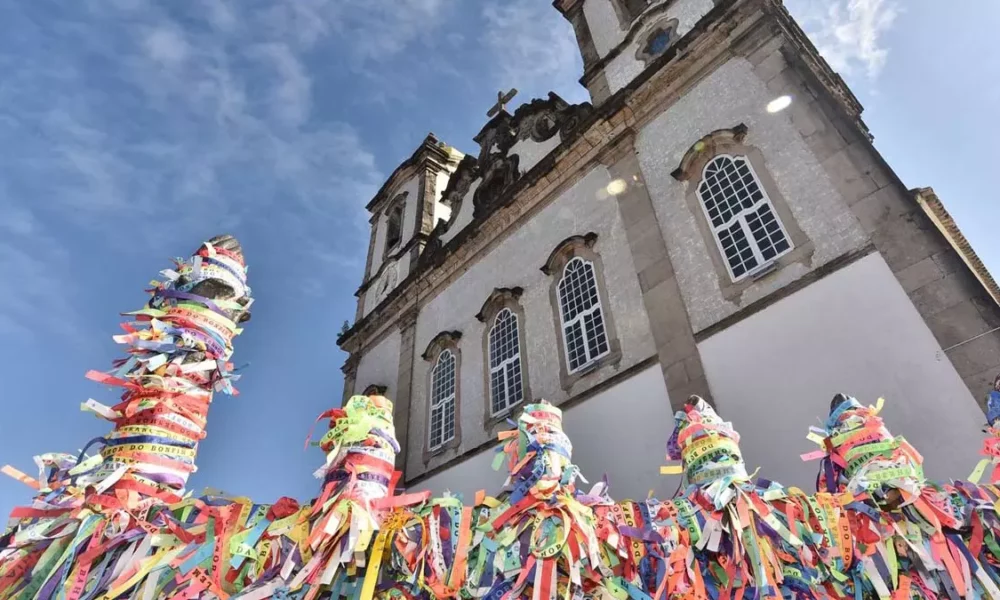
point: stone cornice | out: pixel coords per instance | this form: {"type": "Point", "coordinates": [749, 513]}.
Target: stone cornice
{"type": "Point", "coordinates": [942, 219]}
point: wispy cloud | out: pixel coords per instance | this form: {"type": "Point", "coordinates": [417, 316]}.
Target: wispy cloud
{"type": "Point", "coordinates": [849, 34]}
{"type": "Point", "coordinates": [533, 47]}
{"type": "Point", "coordinates": [145, 121]}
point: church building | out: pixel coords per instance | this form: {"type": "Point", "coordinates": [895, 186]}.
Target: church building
{"type": "Point", "coordinates": [716, 221]}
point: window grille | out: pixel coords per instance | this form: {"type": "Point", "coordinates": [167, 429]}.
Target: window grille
{"type": "Point", "coordinates": [442, 426]}
{"type": "Point", "coordinates": [506, 388]}
{"type": "Point", "coordinates": [743, 220]}
{"type": "Point", "coordinates": [584, 333]}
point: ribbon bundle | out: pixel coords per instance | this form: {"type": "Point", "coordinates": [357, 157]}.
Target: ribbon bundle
{"type": "Point", "coordinates": [118, 524]}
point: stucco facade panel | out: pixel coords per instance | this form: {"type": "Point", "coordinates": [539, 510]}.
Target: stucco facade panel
{"type": "Point", "coordinates": [625, 67]}
{"type": "Point", "coordinates": [379, 365]}
{"type": "Point", "coordinates": [731, 95]}
{"type": "Point", "coordinates": [854, 332]}
{"type": "Point", "coordinates": [515, 262]}
{"type": "Point", "coordinates": [620, 432]}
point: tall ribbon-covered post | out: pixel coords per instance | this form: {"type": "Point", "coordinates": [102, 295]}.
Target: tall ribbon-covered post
{"type": "Point", "coordinates": [96, 514]}
{"type": "Point", "coordinates": [179, 347]}
{"type": "Point", "coordinates": [358, 480]}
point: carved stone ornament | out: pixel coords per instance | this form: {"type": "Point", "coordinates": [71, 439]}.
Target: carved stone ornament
{"type": "Point", "coordinates": [458, 186]}
{"type": "Point", "coordinates": [498, 297]}
{"type": "Point", "coordinates": [441, 341]}
{"type": "Point", "coordinates": [538, 120]}
{"type": "Point", "coordinates": [560, 255]}
{"type": "Point", "coordinates": [708, 144]}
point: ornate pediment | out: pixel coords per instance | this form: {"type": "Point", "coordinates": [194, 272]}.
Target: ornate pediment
{"type": "Point", "coordinates": [538, 121]}
{"type": "Point", "coordinates": [496, 169]}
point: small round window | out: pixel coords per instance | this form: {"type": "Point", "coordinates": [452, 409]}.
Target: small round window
{"type": "Point", "coordinates": [660, 42]}
{"type": "Point", "coordinates": [660, 37]}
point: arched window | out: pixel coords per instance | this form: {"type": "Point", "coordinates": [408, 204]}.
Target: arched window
{"type": "Point", "coordinates": [745, 223]}
{"type": "Point", "coordinates": [584, 333]}
{"type": "Point", "coordinates": [506, 386]}
{"type": "Point", "coordinates": [394, 227]}
{"type": "Point", "coordinates": [442, 422]}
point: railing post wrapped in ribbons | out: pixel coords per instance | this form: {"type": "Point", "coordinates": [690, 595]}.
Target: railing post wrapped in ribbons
{"type": "Point", "coordinates": [358, 480]}
{"type": "Point", "coordinates": [991, 445]}
{"type": "Point", "coordinates": [542, 539]}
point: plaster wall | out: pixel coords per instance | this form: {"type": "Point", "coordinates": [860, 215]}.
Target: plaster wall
{"type": "Point", "coordinates": [515, 262]}
{"type": "Point", "coordinates": [625, 67]}
{"type": "Point", "coordinates": [856, 332]}
{"type": "Point", "coordinates": [621, 431]}
{"type": "Point", "coordinates": [731, 95]}
{"type": "Point", "coordinates": [530, 152]}
{"type": "Point", "coordinates": [380, 365]}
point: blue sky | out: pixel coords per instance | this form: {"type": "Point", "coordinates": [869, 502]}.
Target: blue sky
{"type": "Point", "coordinates": [131, 130]}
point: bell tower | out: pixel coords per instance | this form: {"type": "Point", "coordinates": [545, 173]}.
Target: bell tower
{"type": "Point", "coordinates": [620, 39]}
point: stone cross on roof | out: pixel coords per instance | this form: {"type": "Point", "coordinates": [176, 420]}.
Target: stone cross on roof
{"type": "Point", "coordinates": [502, 100]}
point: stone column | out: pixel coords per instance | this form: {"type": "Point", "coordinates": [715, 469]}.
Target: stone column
{"type": "Point", "coordinates": [661, 294]}
{"type": "Point", "coordinates": [350, 370]}
{"type": "Point", "coordinates": [404, 384]}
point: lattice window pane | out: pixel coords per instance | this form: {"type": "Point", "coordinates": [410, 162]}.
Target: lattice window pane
{"type": "Point", "coordinates": [748, 230]}
{"type": "Point", "coordinates": [443, 400]}
{"type": "Point", "coordinates": [583, 321]}
{"type": "Point", "coordinates": [505, 362]}
{"type": "Point", "coordinates": [514, 384]}
{"type": "Point", "coordinates": [767, 232]}
{"type": "Point", "coordinates": [498, 392]}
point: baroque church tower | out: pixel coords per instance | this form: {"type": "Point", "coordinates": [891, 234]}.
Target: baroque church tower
{"type": "Point", "coordinates": [716, 221]}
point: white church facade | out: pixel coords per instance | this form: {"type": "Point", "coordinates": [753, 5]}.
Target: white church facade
{"type": "Point", "coordinates": [715, 222]}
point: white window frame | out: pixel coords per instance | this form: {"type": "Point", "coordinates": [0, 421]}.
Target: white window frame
{"type": "Point", "coordinates": [740, 218]}
{"type": "Point", "coordinates": [442, 403]}
{"type": "Point", "coordinates": [579, 318]}
{"type": "Point", "coordinates": [507, 363]}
